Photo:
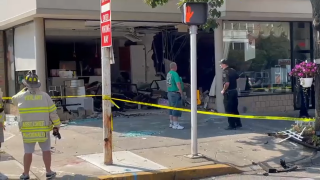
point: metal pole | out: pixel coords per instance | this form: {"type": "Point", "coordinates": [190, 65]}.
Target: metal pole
{"type": "Point", "coordinates": [106, 104]}
{"type": "Point", "coordinates": [193, 63]}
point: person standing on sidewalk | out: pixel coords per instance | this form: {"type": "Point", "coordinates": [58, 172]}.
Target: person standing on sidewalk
{"type": "Point", "coordinates": [175, 93]}
{"type": "Point", "coordinates": [2, 120]}
{"type": "Point", "coordinates": [38, 116]}
{"type": "Point", "coordinates": [230, 94]}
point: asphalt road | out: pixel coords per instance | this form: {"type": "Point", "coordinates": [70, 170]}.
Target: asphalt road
{"type": "Point", "coordinates": [261, 177]}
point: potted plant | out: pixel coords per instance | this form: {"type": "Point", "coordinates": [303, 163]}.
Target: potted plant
{"type": "Point", "coordinates": [305, 71]}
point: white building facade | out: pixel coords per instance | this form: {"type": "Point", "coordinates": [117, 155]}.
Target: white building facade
{"type": "Point", "coordinates": [26, 26]}
{"type": "Point", "coordinates": [263, 38]}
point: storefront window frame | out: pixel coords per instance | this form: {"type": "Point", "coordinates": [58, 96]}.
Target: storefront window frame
{"type": "Point", "coordinates": [291, 49]}
{"type": "Point", "coordinates": [18, 74]}
{"type": "Point", "coordinates": [4, 43]}
{"type": "Point", "coordinates": [6, 61]}
{"type": "Point", "coordinates": [16, 82]}
{"type": "Point", "coordinates": [311, 52]}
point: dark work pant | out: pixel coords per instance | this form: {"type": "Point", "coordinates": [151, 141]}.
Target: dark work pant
{"type": "Point", "coordinates": [230, 102]}
{"type": "Point", "coordinates": [304, 94]}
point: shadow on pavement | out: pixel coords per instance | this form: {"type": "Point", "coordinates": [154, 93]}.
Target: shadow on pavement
{"type": "Point", "coordinates": [5, 157]}
{"type": "Point", "coordinates": [3, 177]}
{"type": "Point", "coordinates": [77, 177]}
{"type": "Point", "coordinates": [158, 125]}
{"type": "Point", "coordinates": [293, 154]}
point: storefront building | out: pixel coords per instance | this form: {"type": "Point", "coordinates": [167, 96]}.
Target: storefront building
{"type": "Point", "coordinates": [263, 40]}
{"type": "Point", "coordinates": [48, 36]}
{"type": "Point", "coordinates": [33, 34]}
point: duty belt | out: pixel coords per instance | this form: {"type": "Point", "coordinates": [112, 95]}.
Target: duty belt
{"type": "Point", "coordinates": [231, 89]}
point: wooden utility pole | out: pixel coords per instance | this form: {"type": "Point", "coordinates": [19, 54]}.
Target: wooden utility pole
{"type": "Point", "coordinates": [106, 57]}
{"type": "Point", "coordinates": [106, 104]}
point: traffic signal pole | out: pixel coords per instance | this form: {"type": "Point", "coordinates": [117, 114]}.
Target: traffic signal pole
{"type": "Point", "coordinates": [193, 29]}
{"type": "Point", "coordinates": [194, 14]}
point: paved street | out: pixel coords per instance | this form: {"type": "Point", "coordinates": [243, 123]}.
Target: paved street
{"type": "Point", "coordinates": [150, 138]}
{"type": "Point", "coordinates": [261, 177]}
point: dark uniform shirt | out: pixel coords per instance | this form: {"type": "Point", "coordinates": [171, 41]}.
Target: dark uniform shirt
{"type": "Point", "coordinates": [230, 75]}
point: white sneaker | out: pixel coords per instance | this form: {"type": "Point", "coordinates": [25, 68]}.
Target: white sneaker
{"type": "Point", "coordinates": [170, 125]}
{"type": "Point", "coordinates": [177, 126]}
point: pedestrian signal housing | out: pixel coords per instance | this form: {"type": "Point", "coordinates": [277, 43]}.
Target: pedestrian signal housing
{"type": "Point", "coordinates": [194, 13]}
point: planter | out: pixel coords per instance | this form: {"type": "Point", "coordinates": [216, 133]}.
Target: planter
{"type": "Point", "coordinates": [306, 82]}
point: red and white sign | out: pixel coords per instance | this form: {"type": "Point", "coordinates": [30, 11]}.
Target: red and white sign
{"type": "Point", "coordinates": [105, 27]}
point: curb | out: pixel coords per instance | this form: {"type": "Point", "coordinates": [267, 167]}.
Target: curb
{"type": "Point", "coordinates": [177, 174]}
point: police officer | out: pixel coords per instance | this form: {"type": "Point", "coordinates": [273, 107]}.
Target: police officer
{"type": "Point", "coordinates": [38, 115]}
{"type": "Point", "coordinates": [230, 94]}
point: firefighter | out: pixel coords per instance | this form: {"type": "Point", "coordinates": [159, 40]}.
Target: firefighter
{"type": "Point", "coordinates": [38, 116]}
{"type": "Point", "coordinates": [2, 120]}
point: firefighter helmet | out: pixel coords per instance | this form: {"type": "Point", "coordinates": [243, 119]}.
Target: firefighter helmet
{"type": "Point", "coordinates": [31, 80]}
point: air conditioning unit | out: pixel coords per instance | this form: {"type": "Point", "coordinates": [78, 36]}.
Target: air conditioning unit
{"type": "Point", "coordinates": [133, 37]}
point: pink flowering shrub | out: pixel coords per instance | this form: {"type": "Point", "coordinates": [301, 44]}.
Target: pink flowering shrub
{"type": "Point", "coordinates": [304, 70]}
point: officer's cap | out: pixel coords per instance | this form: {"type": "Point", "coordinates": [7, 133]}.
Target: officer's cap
{"type": "Point", "coordinates": [224, 61]}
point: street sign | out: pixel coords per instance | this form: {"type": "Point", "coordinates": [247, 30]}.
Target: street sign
{"type": "Point", "coordinates": [195, 13]}
{"type": "Point", "coordinates": [105, 27]}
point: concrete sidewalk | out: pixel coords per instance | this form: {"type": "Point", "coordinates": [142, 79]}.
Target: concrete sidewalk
{"type": "Point", "coordinates": [147, 143]}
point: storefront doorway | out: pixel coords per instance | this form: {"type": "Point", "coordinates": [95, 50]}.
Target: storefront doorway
{"type": "Point", "coordinates": [302, 50]}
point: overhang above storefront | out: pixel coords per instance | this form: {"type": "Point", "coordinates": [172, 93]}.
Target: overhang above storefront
{"type": "Point", "coordinates": [19, 11]}
{"type": "Point", "coordinates": [268, 10]}
{"type": "Point", "coordinates": [16, 12]}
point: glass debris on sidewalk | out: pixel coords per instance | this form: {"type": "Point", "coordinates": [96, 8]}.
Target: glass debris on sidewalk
{"type": "Point", "coordinates": [139, 133]}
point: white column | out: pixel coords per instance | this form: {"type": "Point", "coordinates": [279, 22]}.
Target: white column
{"type": "Point", "coordinates": [193, 64]}
{"type": "Point", "coordinates": [3, 67]}
{"type": "Point", "coordinates": [218, 45]}
{"type": "Point", "coordinates": [39, 41]}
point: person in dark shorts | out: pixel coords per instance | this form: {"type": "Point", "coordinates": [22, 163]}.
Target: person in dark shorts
{"type": "Point", "coordinates": [230, 94]}
{"type": "Point", "coordinates": [175, 93]}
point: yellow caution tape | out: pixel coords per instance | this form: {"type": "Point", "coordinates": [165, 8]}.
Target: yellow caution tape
{"type": "Point", "coordinates": [6, 98]}
{"type": "Point", "coordinates": [105, 97]}
{"type": "Point", "coordinates": [64, 97]}
{"type": "Point", "coordinates": [220, 114]}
